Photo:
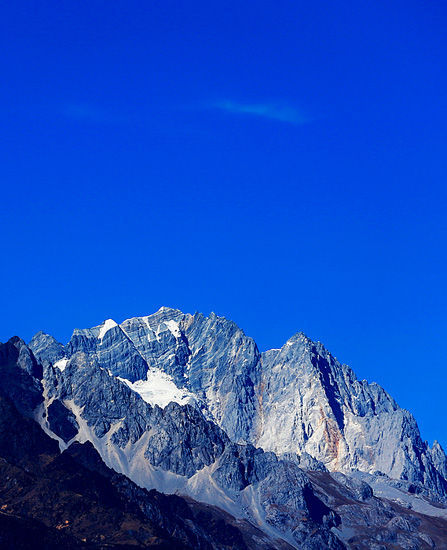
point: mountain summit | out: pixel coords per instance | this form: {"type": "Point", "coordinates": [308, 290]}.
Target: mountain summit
{"type": "Point", "coordinates": [187, 404]}
{"type": "Point", "coordinates": [292, 400]}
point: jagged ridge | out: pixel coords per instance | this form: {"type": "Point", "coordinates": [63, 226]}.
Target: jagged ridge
{"type": "Point", "coordinates": [296, 399]}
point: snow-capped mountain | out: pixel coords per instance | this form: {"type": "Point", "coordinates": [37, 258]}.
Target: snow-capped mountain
{"type": "Point", "coordinates": [293, 400]}
{"type": "Point", "coordinates": [288, 439]}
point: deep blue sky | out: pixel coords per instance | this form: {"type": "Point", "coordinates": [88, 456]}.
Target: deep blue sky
{"type": "Point", "coordinates": [280, 163]}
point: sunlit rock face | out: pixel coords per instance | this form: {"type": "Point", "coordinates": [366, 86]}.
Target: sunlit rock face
{"type": "Point", "coordinates": [288, 439]}
{"type": "Point", "coordinates": [50, 348]}
{"type": "Point", "coordinates": [297, 399]}
{"type": "Point", "coordinates": [209, 357]}
{"type": "Point", "coordinates": [173, 448]}
{"type": "Point", "coordinates": [311, 402]}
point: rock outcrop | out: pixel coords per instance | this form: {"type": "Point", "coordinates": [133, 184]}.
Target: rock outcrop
{"type": "Point", "coordinates": [187, 403]}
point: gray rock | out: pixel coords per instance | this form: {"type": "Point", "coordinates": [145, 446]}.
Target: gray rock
{"type": "Point", "coordinates": [358, 489]}
{"type": "Point", "coordinates": [113, 351]}
{"type": "Point", "coordinates": [46, 348]}
{"type": "Point", "coordinates": [305, 461]}
{"type": "Point", "coordinates": [439, 459]}
{"type": "Point", "coordinates": [62, 421]}
{"type": "Point", "coordinates": [180, 440]}
{"type": "Point", "coordinates": [20, 375]}
{"type": "Point", "coordinates": [312, 403]}
{"type": "Point", "coordinates": [298, 400]}
{"type": "Point", "coordinates": [260, 419]}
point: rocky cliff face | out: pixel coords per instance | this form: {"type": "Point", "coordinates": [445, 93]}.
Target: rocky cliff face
{"type": "Point", "coordinates": [312, 403]}
{"type": "Point", "coordinates": [209, 356]}
{"type": "Point", "coordinates": [72, 500]}
{"type": "Point", "coordinates": [176, 449]}
{"type": "Point", "coordinates": [296, 399]}
{"type": "Point", "coordinates": [187, 403]}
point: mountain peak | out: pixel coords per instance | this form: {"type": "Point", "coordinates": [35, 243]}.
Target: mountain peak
{"type": "Point", "coordinates": [16, 341]}
{"type": "Point", "coordinates": [190, 396]}
{"type": "Point", "coordinates": [296, 399]}
{"type": "Point", "coordinates": [168, 308]}
{"type": "Point", "coordinates": [298, 337]}
{"type": "Point", "coordinates": [105, 327]}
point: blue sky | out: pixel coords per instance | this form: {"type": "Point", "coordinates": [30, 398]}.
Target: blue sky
{"type": "Point", "coordinates": [280, 163]}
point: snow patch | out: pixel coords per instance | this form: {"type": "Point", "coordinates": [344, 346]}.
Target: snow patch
{"type": "Point", "coordinates": [61, 364]}
{"type": "Point", "coordinates": [105, 327]}
{"type": "Point", "coordinates": [159, 389]}
{"type": "Point", "coordinates": [173, 327]}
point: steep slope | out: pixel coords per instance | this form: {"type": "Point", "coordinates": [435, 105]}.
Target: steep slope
{"type": "Point", "coordinates": [375, 515]}
{"type": "Point", "coordinates": [209, 356]}
{"type": "Point", "coordinates": [72, 500]}
{"type": "Point", "coordinates": [176, 449]}
{"type": "Point", "coordinates": [41, 490]}
{"type": "Point", "coordinates": [298, 399]}
{"type": "Point", "coordinates": [312, 403]}
{"type": "Point", "coordinates": [173, 401]}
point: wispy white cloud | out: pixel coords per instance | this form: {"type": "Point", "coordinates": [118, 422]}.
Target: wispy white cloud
{"type": "Point", "coordinates": [273, 111]}
{"type": "Point", "coordinates": [96, 114]}
{"type": "Point", "coordinates": [85, 112]}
